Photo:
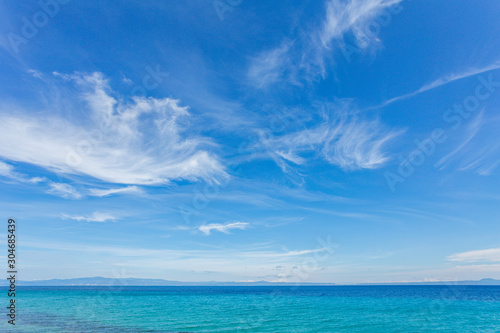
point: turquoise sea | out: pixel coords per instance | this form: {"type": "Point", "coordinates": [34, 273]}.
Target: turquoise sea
{"type": "Point", "coordinates": [256, 309]}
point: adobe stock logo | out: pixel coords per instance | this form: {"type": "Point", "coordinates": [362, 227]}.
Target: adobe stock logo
{"type": "Point", "coordinates": [31, 26]}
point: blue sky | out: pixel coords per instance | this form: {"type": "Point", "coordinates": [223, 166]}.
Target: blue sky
{"type": "Point", "coordinates": [302, 141]}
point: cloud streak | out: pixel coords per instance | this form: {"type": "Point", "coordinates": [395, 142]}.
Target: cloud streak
{"type": "Point", "coordinates": [491, 255]}
{"type": "Point", "coordinates": [94, 217]}
{"type": "Point", "coordinates": [306, 57]}
{"type": "Point", "coordinates": [64, 191]}
{"type": "Point", "coordinates": [442, 81]}
{"type": "Point", "coordinates": [224, 228]}
{"type": "Point", "coordinates": [477, 152]}
{"type": "Point", "coordinates": [7, 171]}
{"type": "Point", "coordinates": [107, 192]}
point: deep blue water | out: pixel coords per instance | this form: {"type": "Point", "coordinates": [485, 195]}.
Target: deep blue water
{"type": "Point", "coordinates": [256, 309]}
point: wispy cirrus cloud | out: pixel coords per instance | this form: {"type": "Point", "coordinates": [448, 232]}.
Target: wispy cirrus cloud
{"type": "Point", "coordinates": [94, 217]}
{"type": "Point", "coordinates": [342, 139]}
{"type": "Point", "coordinates": [476, 153]}
{"type": "Point", "coordinates": [269, 66]}
{"type": "Point", "coordinates": [344, 16]}
{"type": "Point", "coordinates": [142, 141]}
{"type": "Point", "coordinates": [303, 252]}
{"type": "Point", "coordinates": [7, 171]}
{"type": "Point", "coordinates": [225, 228]}
{"type": "Point", "coordinates": [306, 57]}
{"type": "Point", "coordinates": [64, 190]}
{"type": "Point", "coordinates": [492, 255]}
{"type": "Point", "coordinates": [472, 131]}
{"type": "Point", "coordinates": [122, 190]}
{"type": "Point", "coordinates": [68, 191]}
{"type": "Point", "coordinates": [442, 81]}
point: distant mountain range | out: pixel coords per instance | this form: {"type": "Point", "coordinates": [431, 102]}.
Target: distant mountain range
{"type": "Point", "coordinates": [117, 282]}
{"type": "Point", "coordinates": [101, 281]}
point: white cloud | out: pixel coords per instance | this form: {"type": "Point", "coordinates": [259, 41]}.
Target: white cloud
{"type": "Point", "coordinates": [64, 191]}
{"type": "Point", "coordinates": [95, 217]}
{"type": "Point", "coordinates": [123, 190]}
{"type": "Point", "coordinates": [444, 80]}
{"type": "Point", "coordinates": [492, 255]}
{"type": "Point", "coordinates": [7, 170]}
{"type": "Point", "coordinates": [222, 227]}
{"type": "Point", "coordinates": [35, 73]}
{"type": "Point", "coordinates": [357, 145]}
{"type": "Point", "coordinates": [300, 253]}
{"type": "Point", "coordinates": [144, 141]}
{"type": "Point", "coordinates": [341, 139]}
{"type": "Point", "coordinates": [343, 16]}
{"type": "Point", "coordinates": [307, 55]}
{"type": "Point", "coordinates": [458, 76]}
{"type": "Point", "coordinates": [59, 189]}
{"type": "Point", "coordinates": [269, 66]}
{"type": "Point", "coordinates": [472, 131]}
{"type": "Point", "coordinates": [476, 153]}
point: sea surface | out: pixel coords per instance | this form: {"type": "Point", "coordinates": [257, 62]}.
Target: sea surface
{"type": "Point", "coordinates": [255, 309]}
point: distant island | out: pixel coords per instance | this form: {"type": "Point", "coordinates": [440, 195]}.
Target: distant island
{"type": "Point", "coordinates": [117, 282]}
